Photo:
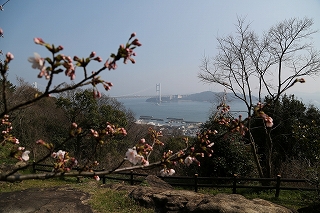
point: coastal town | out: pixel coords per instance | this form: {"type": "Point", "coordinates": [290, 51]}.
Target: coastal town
{"type": "Point", "coordinates": [171, 125]}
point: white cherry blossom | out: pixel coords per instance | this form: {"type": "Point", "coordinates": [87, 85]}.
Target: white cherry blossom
{"type": "Point", "coordinates": [37, 61]}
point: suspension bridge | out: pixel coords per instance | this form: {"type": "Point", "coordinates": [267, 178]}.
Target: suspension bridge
{"type": "Point", "coordinates": [158, 96]}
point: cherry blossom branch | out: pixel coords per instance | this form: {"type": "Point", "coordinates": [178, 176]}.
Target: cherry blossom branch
{"type": "Point", "coordinates": [19, 177]}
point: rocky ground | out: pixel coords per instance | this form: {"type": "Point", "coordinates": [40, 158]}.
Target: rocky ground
{"type": "Point", "coordinates": [158, 195]}
{"type": "Point", "coordinates": [41, 200]}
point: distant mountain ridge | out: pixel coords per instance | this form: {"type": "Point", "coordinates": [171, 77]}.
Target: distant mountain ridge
{"type": "Point", "coordinates": [207, 96]}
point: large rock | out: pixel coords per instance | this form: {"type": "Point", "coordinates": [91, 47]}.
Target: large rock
{"type": "Point", "coordinates": [44, 200]}
{"type": "Point", "coordinates": [154, 181]}
{"type": "Point", "coordinates": [168, 200]}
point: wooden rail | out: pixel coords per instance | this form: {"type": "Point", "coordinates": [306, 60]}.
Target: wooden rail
{"type": "Point", "coordinates": [195, 182]}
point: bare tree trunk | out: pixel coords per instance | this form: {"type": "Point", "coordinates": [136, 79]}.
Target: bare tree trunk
{"type": "Point", "coordinates": [269, 150]}
{"type": "Point", "coordinates": [255, 155]}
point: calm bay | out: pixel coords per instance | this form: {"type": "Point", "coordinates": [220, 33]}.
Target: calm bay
{"type": "Point", "coordinates": [195, 111]}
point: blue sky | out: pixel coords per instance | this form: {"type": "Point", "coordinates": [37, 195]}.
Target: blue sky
{"type": "Point", "coordinates": [175, 35]}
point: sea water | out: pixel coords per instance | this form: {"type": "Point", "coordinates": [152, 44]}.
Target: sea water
{"type": "Point", "coordinates": [192, 111]}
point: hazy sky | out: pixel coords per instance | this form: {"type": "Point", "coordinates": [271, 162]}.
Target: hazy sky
{"type": "Point", "coordinates": [175, 35]}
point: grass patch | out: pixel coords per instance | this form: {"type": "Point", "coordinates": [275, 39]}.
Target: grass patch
{"type": "Point", "coordinates": [107, 200]}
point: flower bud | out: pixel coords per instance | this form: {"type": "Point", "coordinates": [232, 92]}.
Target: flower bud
{"type": "Point", "coordinates": [93, 54]}
{"type": "Point", "coordinates": [136, 42]}
{"type": "Point", "coordinates": [9, 57]}
{"type": "Point", "coordinates": [98, 58]}
{"type": "Point", "coordinates": [60, 47]}
{"type": "Point", "coordinates": [38, 41]}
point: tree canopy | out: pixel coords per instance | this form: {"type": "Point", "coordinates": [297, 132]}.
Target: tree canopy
{"type": "Point", "coordinates": [252, 66]}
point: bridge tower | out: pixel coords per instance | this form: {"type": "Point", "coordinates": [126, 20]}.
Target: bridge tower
{"type": "Point", "coordinates": [158, 90]}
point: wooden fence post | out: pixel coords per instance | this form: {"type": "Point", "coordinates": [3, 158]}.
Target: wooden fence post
{"type": "Point", "coordinates": [131, 177]}
{"type": "Point", "coordinates": [234, 188]}
{"type": "Point", "coordinates": [196, 182]}
{"type": "Point", "coordinates": [278, 186]}
{"type": "Point", "coordinates": [104, 178]}
{"type": "Point", "coordinates": [34, 167]}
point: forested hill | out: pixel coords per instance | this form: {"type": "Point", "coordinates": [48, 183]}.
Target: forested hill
{"type": "Point", "coordinates": [202, 96]}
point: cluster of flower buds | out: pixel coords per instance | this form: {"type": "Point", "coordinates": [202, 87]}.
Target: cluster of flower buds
{"type": "Point", "coordinates": [94, 164]}
{"type": "Point", "coordinates": [143, 147]}
{"type": "Point", "coordinates": [188, 156]}
{"type": "Point", "coordinates": [6, 131]}
{"type": "Point", "coordinates": [102, 136]}
{"type": "Point", "coordinates": [70, 69]}
{"type": "Point", "coordinates": [59, 60]}
{"type": "Point", "coordinates": [168, 161]}
{"type": "Point", "coordinates": [5, 66]}
{"type": "Point", "coordinates": [75, 130]}
{"type": "Point", "coordinates": [139, 154]}
{"type": "Point", "coordinates": [83, 62]}
{"type": "Point", "coordinates": [49, 146]}
{"type": "Point", "coordinates": [237, 125]}
{"type": "Point", "coordinates": [259, 113]}
{"type": "Point", "coordinates": [204, 145]}
{"type": "Point", "coordinates": [221, 114]}
{"type": "Point", "coordinates": [125, 51]}
{"type": "Point", "coordinates": [189, 160]}
{"type": "Point", "coordinates": [97, 80]}
{"type": "Point", "coordinates": [167, 172]}
{"type": "Point", "coordinates": [300, 80]}
{"type": "Point", "coordinates": [234, 125]}
{"type": "Point", "coordinates": [223, 108]}
{"type": "Point", "coordinates": [141, 151]}
{"type": "Point", "coordinates": [63, 162]}
{"type": "Point", "coordinates": [20, 153]}
{"type": "Point", "coordinates": [155, 135]}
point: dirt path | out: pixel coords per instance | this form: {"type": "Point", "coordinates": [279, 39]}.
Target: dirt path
{"type": "Point", "coordinates": [40, 200]}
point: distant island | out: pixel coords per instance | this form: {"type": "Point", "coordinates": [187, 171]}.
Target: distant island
{"type": "Point", "coordinates": [206, 96]}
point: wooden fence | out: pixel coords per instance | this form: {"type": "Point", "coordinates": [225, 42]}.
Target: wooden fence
{"type": "Point", "coordinates": [195, 182]}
